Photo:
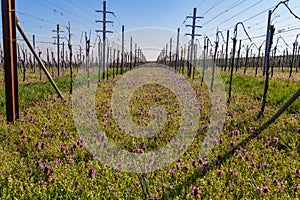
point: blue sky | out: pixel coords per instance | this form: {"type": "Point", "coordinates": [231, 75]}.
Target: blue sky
{"type": "Point", "coordinates": [40, 17]}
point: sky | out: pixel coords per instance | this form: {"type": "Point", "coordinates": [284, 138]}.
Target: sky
{"type": "Point", "coordinates": [151, 24]}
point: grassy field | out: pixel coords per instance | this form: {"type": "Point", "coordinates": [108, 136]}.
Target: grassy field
{"type": "Point", "coordinates": [43, 157]}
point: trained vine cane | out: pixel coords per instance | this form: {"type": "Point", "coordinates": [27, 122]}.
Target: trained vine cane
{"type": "Point", "coordinates": [233, 57]}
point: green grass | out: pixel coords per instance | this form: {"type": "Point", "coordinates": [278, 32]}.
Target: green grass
{"type": "Point", "coordinates": [36, 91]}
{"type": "Point", "coordinates": [275, 151]}
{"type": "Point", "coordinates": [279, 90]}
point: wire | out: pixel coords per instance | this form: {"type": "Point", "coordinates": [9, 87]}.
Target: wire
{"type": "Point", "coordinates": [41, 19]}
{"type": "Point", "coordinates": [37, 18]}
{"type": "Point", "coordinates": [83, 5]}
{"type": "Point", "coordinates": [253, 5]}
{"type": "Point", "coordinates": [79, 11]}
{"type": "Point", "coordinates": [235, 4]}
{"type": "Point", "coordinates": [62, 14]}
{"type": "Point", "coordinates": [212, 7]}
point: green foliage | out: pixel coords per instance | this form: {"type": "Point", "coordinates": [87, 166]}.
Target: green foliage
{"type": "Point", "coordinates": [41, 157]}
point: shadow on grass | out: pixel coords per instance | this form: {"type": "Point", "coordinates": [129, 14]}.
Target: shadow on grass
{"type": "Point", "coordinates": [213, 165]}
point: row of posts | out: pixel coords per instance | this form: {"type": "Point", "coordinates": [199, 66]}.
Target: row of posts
{"type": "Point", "coordinates": [58, 63]}
{"type": "Point", "coordinates": [247, 56]}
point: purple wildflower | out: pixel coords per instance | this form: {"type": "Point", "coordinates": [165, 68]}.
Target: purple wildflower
{"type": "Point", "coordinates": [194, 163]}
{"type": "Point", "coordinates": [220, 172]}
{"type": "Point", "coordinates": [80, 142]}
{"type": "Point", "coordinates": [221, 140]}
{"type": "Point", "coordinates": [47, 168]}
{"type": "Point", "coordinates": [92, 173]}
{"type": "Point", "coordinates": [172, 171]}
{"type": "Point", "coordinates": [42, 183]}
{"type": "Point", "coordinates": [276, 182]}
{"type": "Point", "coordinates": [71, 159]}
{"type": "Point", "coordinates": [196, 192]}
{"type": "Point", "coordinates": [297, 171]}
{"type": "Point", "coordinates": [265, 188]}
{"type": "Point", "coordinates": [296, 188]}
{"type": "Point", "coordinates": [280, 190]}
{"type": "Point", "coordinates": [62, 147]}
{"type": "Point", "coordinates": [236, 174]}
{"type": "Point", "coordinates": [57, 161]}
{"type": "Point", "coordinates": [266, 165]}
{"type": "Point", "coordinates": [73, 147]}
{"type": "Point", "coordinates": [53, 180]}
{"type": "Point", "coordinates": [186, 168]}
{"type": "Point", "coordinates": [155, 197]}
{"type": "Point", "coordinates": [232, 143]}
{"type": "Point", "coordinates": [258, 189]}
{"type": "Point", "coordinates": [267, 144]}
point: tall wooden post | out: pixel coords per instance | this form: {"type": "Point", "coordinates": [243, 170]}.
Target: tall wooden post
{"type": "Point", "coordinates": [33, 41]}
{"type": "Point", "coordinates": [99, 59]}
{"type": "Point", "coordinates": [177, 50]}
{"type": "Point", "coordinates": [170, 54]}
{"type": "Point", "coordinates": [122, 56]}
{"type": "Point", "coordinates": [58, 51]}
{"type": "Point", "coordinates": [226, 53]}
{"type": "Point", "coordinates": [271, 31]}
{"type": "Point", "coordinates": [130, 53]}
{"type": "Point", "coordinates": [10, 59]}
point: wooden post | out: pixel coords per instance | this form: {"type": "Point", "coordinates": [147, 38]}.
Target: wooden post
{"type": "Point", "coordinates": [214, 64]}
{"type": "Point", "coordinates": [130, 53]}
{"type": "Point", "coordinates": [70, 58]}
{"type": "Point", "coordinates": [99, 59]}
{"type": "Point", "coordinates": [194, 60]}
{"type": "Point", "coordinates": [247, 57]}
{"type": "Point", "coordinates": [183, 61]}
{"type": "Point", "coordinates": [10, 59]}
{"type": "Point", "coordinates": [204, 60]}
{"type": "Point", "coordinates": [170, 54]}
{"type": "Point", "coordinates": [231, 69]}
{"type": "Point", "coordinates": [238, 58]}
{"type": "Point", "coordinates": [118, 58]}
{"type": "Point", "coordinates": [122, 56]}
{"type": "Point", "coordinates": [58, 60]}
{"type": "Point", "coordinates": [107, 68]}
{"type": "Point", "coordinates": [177, 49]}
{"type": "Point", "coordinates": [114, 62]}
{"type": "Point", "coordinates": [33, 42]}
{"type": "Point", "coordinates": [24, 65]}
{"type": "Point", "coordinates": [298, 60]}
{"type": "Point", "coordinates": [271, 31]}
